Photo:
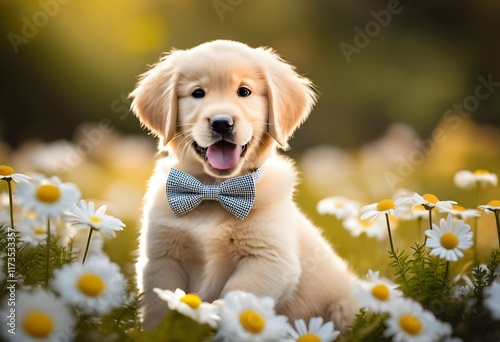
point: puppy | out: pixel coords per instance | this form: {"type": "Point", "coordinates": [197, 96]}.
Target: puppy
{"type": "Point", "coordinates": [221, 110]}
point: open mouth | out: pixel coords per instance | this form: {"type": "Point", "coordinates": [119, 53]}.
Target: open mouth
{"type": "Point", "coordinates": [222, 155]}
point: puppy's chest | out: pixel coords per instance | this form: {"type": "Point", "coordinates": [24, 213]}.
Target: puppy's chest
{"type": "Point", "coordinates": [232, 240]}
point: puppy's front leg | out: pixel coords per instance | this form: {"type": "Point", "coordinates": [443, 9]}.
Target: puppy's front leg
{"type": "Point", "coordinates": [275, 276]}
{"type": "Point", "coordinates": [165, 273]}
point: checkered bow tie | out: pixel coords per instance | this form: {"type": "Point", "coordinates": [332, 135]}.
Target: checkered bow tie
{"type": "Point", "coordinates": [236, 195]}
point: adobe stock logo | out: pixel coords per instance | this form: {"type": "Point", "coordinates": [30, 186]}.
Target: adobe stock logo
{"type": "Point", "coordinates": [372, 29]}
{"type": "Point", "coordinates": [29, 28]}
{"type": "Point", "coordinates": [223, 6]}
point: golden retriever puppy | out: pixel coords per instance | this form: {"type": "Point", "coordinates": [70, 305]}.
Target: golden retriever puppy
{"type": "Point", "coordinates": [221, 110]}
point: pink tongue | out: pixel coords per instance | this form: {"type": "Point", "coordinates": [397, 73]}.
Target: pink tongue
{"type": "Point", "coordinates": [223, 155]}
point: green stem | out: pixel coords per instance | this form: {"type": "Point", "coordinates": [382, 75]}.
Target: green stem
{"type": "Point", "coordinates": [47, 267]}
{"type": "Point", "coordinates": [430, 223]}
{"type": "Point", "coordinates": [419, 223]}
{"type": "Point", "coordinates": [11, 205]}
{"type": "Point", "coordinates": [474, 240]}
{"type": "Point", "coordinates": [447, 270]}
{"type": "Point", "coordinates": [88, 244]}
{"type": "Point", "coordinates": [497, 220]}
{"type": "Point", "coordinates": [390, 234]}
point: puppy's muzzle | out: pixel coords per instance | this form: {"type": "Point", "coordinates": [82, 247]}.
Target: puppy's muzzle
{"type": "Point", "coordinates": [223, 154]}
{"type": "Point", "coordinates": [222, 124]}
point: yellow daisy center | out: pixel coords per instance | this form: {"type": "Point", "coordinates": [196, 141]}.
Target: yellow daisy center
{"type": "Point", "coordinates": [95, 219]}
{"type": "Point", "coordinates": [48, 193]}
{"type": "Point", "coordinates": [449, 240]}
{"type": "Point", "coordinates": [38, 324]}
{"type": "Point", "coordinates": [494, 203]}
{"type": "Point", "coordinates": [430, 198]}
{"type": "Point", "coordinates": [309, 338]}
{"type": "Point", "coordinates": [91, 284]}
{"type": "Point", "coordinates": [252, 321]}
{"type": "Point", "coordinates": [458, 207]}
{"type": "Point", "coordinates": [386, 204]}
{"type": "Point", "coordinates": [410, 324]}
{"type": "Point", "coordinates": [480, 172]}
{"type": "Point", "coordinates": [192, 300]}
{"type": "Point", "coordinates": [6, 170]}
{"type": "Point", "coordinates": [39, 230]}
{"type": "Point", "coordinates": [381, 292]}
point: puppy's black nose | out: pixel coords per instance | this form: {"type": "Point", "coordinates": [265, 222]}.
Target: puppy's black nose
{"type": "Point", "coordinates": [222, 124]}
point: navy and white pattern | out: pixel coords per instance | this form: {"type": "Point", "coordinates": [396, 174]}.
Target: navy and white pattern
{"type": "Point", "coordinates": [236, 195]}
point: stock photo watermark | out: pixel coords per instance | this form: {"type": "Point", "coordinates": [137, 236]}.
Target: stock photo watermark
{"type": "Point", "coordinates": [30, 26]}
{"type": "Point", "coordinates": [454, 116]}
{"type": "Point", "coordinates": [11, 280]}
{"type": "Point", "coordinates": [363, 36]}
{"type": "Point", "coordinates": [223, 6]}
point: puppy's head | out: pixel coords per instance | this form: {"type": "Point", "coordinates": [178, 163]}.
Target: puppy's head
{"type": "Point", "coordinates": [223, 105]}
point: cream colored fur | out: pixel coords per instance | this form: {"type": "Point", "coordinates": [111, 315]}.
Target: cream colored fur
{"type": "Point", "coordinates": [276, 251]}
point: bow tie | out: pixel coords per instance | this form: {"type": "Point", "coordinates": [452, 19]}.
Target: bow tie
{"type": "Point", "coordinates": [236, 195]}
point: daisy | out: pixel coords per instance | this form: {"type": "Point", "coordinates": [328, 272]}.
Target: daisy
{"type": "Point", "coordinates": [376, 294]}
{"type": "Point", "coordinates": [430, 201]}
{"type": "Point", "coordinates": [338, 206]}
{"type": "Point", "coordinates": [96, 287]}
{"type": "Point", "coordinates": [492, 207]}
{"type": "Point", "coordinates": [83, 216]}
{"type": "Point", "coordinates": [409, 322]}
{"type": "Point", "coordinates": [373, 229]}
{"type": "Point", "coordinates": [39, 316]}
{"type": "Point", "coordinates": [48, 197]}
{"type": "Point", "coordinates": [317, 331]}
{"type": "Point", "coordinates": [462, 213]}
{"type": "Point", "coordinates": [448, 241]}
{"type": "Point", "coordinates": [7, 173]}
{"type": "Point", "coordinates": [469, 179]}
{"type": "Point", "coordinates": [386, 206]}
{"type": "Point", "coordinates": [462, 288]}
{"type": "Point", "coordinates": [246, 317]}
{"type": "Point", "coordinates": [33, 231]}
{"type": "Point", "coordinates": [492, 299]}
{"type": "Point", "coordinates": [190, 305]}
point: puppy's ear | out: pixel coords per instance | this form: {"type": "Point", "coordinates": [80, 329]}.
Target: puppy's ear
{"type": "Point", "coordinates": [291, 98]}
{"type": "Point", "coordinates": [155, 99]}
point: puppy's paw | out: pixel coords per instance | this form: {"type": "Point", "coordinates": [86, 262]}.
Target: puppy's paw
{"type": "Point", "coordinates": [342, 315]}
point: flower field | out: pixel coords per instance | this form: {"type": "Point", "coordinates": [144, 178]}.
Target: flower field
{"type": "Point", "coordinates": [424, 243]}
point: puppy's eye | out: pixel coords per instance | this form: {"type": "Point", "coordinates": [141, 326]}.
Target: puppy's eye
{"type": "Point", "coordinates": [198, 93]}
{"type": "Point", "coordinates": [243, 92]}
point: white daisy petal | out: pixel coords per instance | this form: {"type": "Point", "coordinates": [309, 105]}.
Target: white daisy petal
{"type": "Point", "coordinates": [247, 317]}
{"type": "Point", "coordinates": [8, 173]}
{"type": "Point", "coordinates": [48, 197]}
{"type": "Point", "coordinates": [40, 317]}
{"type": "Point", "coordinates": [448, 240]}
{"type": "Point", "coordinates": [492, 299]}
{"type": "Point", "coordinates": [96, 287]}
{"type": "Point", "coordinates": [83, 216]}
{"type": "Point", "coordinates": [408, 321]}
{"type": "Point", "coordinates": [190, 305]}
{"type": "Point", "coordinates": [376, 294]}
{"type": "Point", "coordinates": [323, 332]}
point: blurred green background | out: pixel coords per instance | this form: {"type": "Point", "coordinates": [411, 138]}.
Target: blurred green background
{"type": "Point", "coordinates": [390, 76]}
{"type": "Point", "coordinates": [80, 59]}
